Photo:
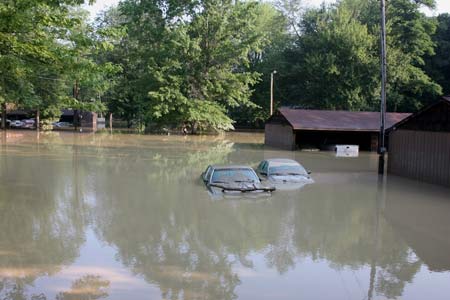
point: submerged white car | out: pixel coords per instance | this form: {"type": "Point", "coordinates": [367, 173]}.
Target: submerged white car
{"type": "Point", "coordinates": [62, 124]}
{"type": "Point", "coordinates": [285, 174]}
{"type": "Point", "coordinates": [233, 179]}
{"type": "Point", "coordinates": [16, 124]}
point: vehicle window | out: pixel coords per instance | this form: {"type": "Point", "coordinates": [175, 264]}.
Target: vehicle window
{"type": "Point", "coordinates": [287, 170]}
{"type": "Point", "coordinates": [208, 173]}
{"type": "Point", "coordinates": [265, 167]}
{"type": "Point", "coordinates": [234, 175]}
{"type": "Point", "coordinates": [260, 166]}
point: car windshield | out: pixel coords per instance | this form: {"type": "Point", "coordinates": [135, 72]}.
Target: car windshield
{"type": "Point", "coordinates": [287, 170]}
{"type": "Point", "coordinates": [234, 175]}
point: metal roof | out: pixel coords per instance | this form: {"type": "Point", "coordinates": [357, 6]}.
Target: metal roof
{"type": "Point", "coordinates": [336, 120]}
{"type": "Point", "coordinates": [445, 100]}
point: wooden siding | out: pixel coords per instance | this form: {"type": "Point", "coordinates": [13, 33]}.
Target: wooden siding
{"type": "Point", "coordinates": [433, 118]}
{"type": "Point", "coordinates": [280, 136]}
{"type": "Point", "coordinates": [422, 155]}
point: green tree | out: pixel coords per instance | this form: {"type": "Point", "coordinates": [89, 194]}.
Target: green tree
{"type": "Point", "coordinates": [88, 72]}
{"type": "Point", "coordinates": [438, 66]}
{"type": "Point", "coordinates": [186, 63]}
{"type": "Point", "coordinates": [409, 41]}
{"type": "Point", "coordinates": [334, 63]}
{"type": "Point", "coordinates": [46, 46]}
{"type": "Point", "coordinates": [205, 73]}
{"type": "Point", "coordinates": [275, 27]}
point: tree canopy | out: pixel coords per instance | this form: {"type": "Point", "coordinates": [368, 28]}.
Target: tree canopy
{"type": "Point", "coordinates": [334, 63]}
{"type": "Point", "coordinates": [206, 64]}
{"type": "Point", "coordinates": [48, 56]}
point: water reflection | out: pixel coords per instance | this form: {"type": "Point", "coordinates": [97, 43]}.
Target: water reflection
{"type": "Point", "coordinates": [419, 214]}
{"type": "Point", "coordinates": [142, 198]}
{"type": "Point", "coordinates": [42, 224]}
{"type": "Point", "coordinates": [89, 287]}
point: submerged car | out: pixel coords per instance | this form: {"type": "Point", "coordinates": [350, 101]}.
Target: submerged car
{"type": "Point", "coordinates": [17, 124]}
{"type": "Point", "coordinates": [23, 124]}
{"type": "Point", "coordinates": [8, 122]}
{"type": "Point", "coordinates": [62, 124]}
{"type": "Point", "coordinates": [28, 123]}
{"type": "Point", "coordinates": [285, 174]}
{"type": "Point", "coordinates": [233, 179]}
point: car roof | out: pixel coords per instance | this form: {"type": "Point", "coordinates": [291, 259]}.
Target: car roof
{"type": "Point", "coordinates": [281, 161]}
{"type": "Point", "coordinates": [226, 167]}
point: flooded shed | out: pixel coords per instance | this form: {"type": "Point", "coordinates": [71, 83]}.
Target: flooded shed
{"type": "Point", "coordinates": [84, 119]}
{"type": "Point", "coordinates": [420, 145]}
{"type": "Point", "coordinates": [301, 128]}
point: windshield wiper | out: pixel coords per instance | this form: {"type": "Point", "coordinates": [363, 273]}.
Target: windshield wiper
{"type": "Point", "coordinates": [251, 181]}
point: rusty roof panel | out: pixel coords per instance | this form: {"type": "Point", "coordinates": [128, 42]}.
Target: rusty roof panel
{"type": "Point", "coordinates": [427, 109]}
{"type": "Point", "coordinates": [304, 119]}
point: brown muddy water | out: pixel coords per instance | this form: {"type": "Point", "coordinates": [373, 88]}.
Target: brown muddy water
{"type": "Point", "coordinates": [126, 217]}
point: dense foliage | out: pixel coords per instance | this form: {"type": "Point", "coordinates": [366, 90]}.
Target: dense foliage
{"type": "Point", "coordinates": [186, 63]}
{"type": "Point", "coordinates": [206, 64]}
{"type": "Point", "coordinates": [48, 56]}
{"type": "Point", "coordinates": [334, 63]}
{"type": "Point", "coordinates": [438, 65]}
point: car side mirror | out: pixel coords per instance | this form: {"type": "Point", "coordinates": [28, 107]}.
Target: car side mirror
{"type": "Point", "coordinates": [264, 173]}
{"type": "Point", "coordinates": [309, 172]}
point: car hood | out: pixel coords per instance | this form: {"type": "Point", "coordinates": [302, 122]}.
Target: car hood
{"type": "Point", "coordinates": [290, 178]}
{"type": "Point", "coordinates": [242, 187]}
{"type": "Point", "coordinates": [289, 182]}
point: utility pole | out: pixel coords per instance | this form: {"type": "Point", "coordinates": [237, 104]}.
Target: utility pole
{"type": "Point", "coordinates": [271, 91]}
{"type": "Point", "coordinates": [382, 146]}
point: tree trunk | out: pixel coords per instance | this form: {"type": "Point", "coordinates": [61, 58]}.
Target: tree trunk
{"type": "Point", "coordinates": [75, 119]}
{"type": "Point", "coordinates": [110, 121]}
{"type": "Point", "coordinates": [38, 118]}
{"type": "Point", "coordinates": [194, 127]}
{"type": "Point", "coordinates": [3, 115]}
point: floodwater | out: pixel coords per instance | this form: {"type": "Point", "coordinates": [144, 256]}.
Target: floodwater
{"type": "Point", "coordinates": [86, 216]}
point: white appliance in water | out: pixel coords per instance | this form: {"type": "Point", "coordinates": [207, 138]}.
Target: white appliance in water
{"type": "Point", "coordinates": [347, 150]}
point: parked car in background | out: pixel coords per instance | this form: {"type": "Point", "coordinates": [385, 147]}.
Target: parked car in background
{"type": "Point", "coordinates": [29, 123]}
{"type": "Point", "coordinates": [8, 122]}
{"type": "Point", "coordinates": [285, 174]}
{"type": "Point", "coordinates": [62, 124]}
{"type": "Point", "coordinates": [16, 124]}
{"type": "Point", "coordinates": [233, 179]}
{"type": "Point", "coordinates": [23, 124]}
